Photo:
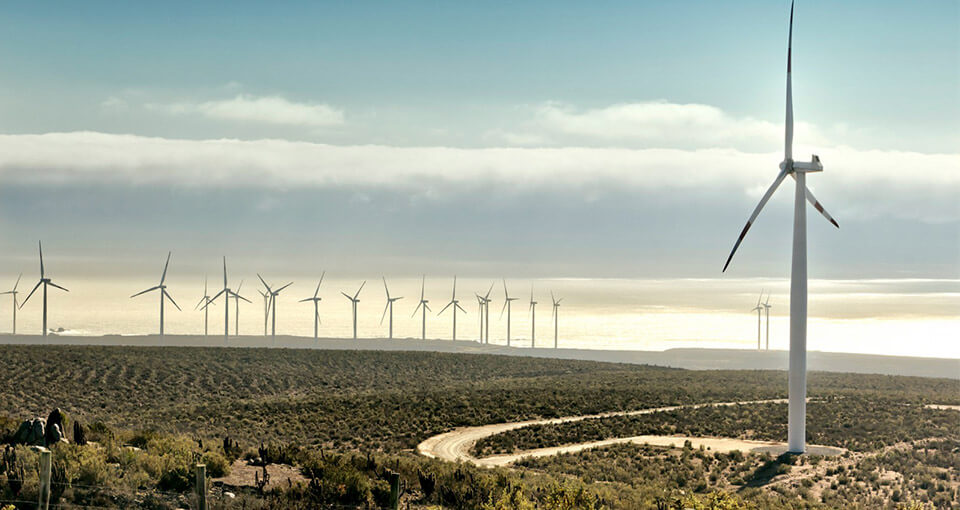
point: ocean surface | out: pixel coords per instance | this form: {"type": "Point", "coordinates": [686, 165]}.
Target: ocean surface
{"type": "Point", "coordinates": [906, 317]}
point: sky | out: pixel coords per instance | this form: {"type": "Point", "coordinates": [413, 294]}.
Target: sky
{"type": "Point", "coordinates": [547, 139]}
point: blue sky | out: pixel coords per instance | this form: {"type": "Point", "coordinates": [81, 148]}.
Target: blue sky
{"type": "Point", "coordinates": [508, 98]}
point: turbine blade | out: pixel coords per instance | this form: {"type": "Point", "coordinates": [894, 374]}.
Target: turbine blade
{"type": "Point", "coordinates": [18, 281]}
{"type": "Point", "coordinates": [506, 294]}
{"type": "Point", "coordinates": [385, 287]}
{"type": "Point", "coordinates": [165, 266]}
{"type": "Point", "coordinates": [264, 282]}
{"type": "Point", "coordinates": [224, 271]}
{"type": "Point", "coordinates": [238, 296]}
{"type": "Point", "coordinates": [167, 294]}
{"type": "Point", "coordinates": [454, 286]}
{"type": "Point", "coordinates": [505, 301]}
{"type": "Point", "coordinates": [40, 244]}
{"type": "Point", "coordinates": [423, 283]}
{"type": "Point", "coordinates": [204, 298]}
{"type": "Point", "coordinates": [355, 296]}
{"type": "Point", "coordinates": [239, 286]}
{"type": "Point", "coordinates": [487, 295]}
{"type": "Point", "coordinates": [214, 298]}
{"type": "Point", "coordinates": [788, 124]}
{"type": "Point", "coordinates": [204, 285]}
{"type": "Point", "coordinates": [281, 288]}
{"type": "Point", "coordinates": [460, 307]}
{"type": "Point", "coordinates": [444, 308]}
{"type": "Point", "coordinates": [553, 299]}
{"type": "Point", "coordinates": [756, 212]}
{"type": "Point", "coordinates": [760, 298]}
{"type": "Point", "coordinates": [57, 286]}
{"type": "Point", "coordinates": [816, 205]}
{"type": "Point", "coordinates": [145, 291]}
{"type": "Point", "coordinates": [318, 287]}
{"type": "Point", "coordinates": [427, 307]}
{"type": "Point", "coordinates": [30, 294]}
{"type": "Point", "coordinates": [417, 309]}
{"type": "Point", "coordinates": [346, 295]}
{"type": "Point", "coordinates": [384, 312]}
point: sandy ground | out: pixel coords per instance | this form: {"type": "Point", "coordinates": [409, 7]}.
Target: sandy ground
{"type": "Point", "coordinates": [456, 444]}
{"type": "Point", "coordinates": [243, 474]}
{"type": "Point", "coordinates": [693, 359]}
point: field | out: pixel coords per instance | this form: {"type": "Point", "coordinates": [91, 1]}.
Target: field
{"type": "Point", "coordinates": [342, 417]}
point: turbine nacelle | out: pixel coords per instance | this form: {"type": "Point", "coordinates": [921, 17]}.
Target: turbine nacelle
{"type": "Point", "coordinates": [789, 165]}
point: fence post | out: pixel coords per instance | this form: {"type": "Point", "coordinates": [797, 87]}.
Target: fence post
{"type": "Point", "coordinates": [201, 487]}
{"type": "Point", "coordinates": [394, 490]}
{"type": "Point", "coordinates": [46, 461]}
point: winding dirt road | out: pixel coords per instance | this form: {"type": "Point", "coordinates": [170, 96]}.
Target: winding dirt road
{"type": "Point", "coordinates": [456, 444]}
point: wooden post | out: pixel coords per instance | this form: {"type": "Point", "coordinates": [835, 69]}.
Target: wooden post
{"type": "Point", "coordinates": [46, 460]}
{"type": "Point", "coordinates": [201, 487]}
{"type": "Point", "coordinates": [394, 491]}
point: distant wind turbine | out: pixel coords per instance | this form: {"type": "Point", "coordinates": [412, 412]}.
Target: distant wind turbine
{"type": "Point", "coordinates": [506, 306]}
{"type": "Point", "coordinates": [163, 291]}
{"type": "Point", "coordinates": [422, 305]}
{"type": "Point", "coordinates": [555, 317]}
{"type": "Point", "coordinates": [486, 313]}
{"type": "Point", "coordinates": [266, 309]}
{"type": "Point", "coordinates": [797, 406]}
{"type": "Point", "coordinates": [533, 319]}
{"type": "Point", "coordinates": [236, 310]}
{"type": "Point", "coordinates": [389, 305]}
{"type": "Point", "coordinates": [480, 305]}
{"type": "Point", "coordinates": [204, 301]}
{"type": "Point", "coordinates": [273, 304]}
{"type": "Point", "coordinates": [767, 306]}
{"type": "Point", "coordinates": [226, 292]}
{"type": "Point", "coordinates": [354, 299]}
{"type": "Point", "coordinates": [456, 305]}
{"type": "Point", "coordinates": [316, 308]}
{"type": "Point", "coordinates": [45, 282]}
{"type": "Point", "coordinates": [14, 293]}
{"type": "Point", "coordinates": [759, 310]}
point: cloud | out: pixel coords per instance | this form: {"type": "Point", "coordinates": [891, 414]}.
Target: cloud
{"type": "Point", "coordinates": [658, 124]}
{"type": "Point", "coordinates": [267, 109]}
{"type": "Point", "coordinates": [114, 103]}
{"type": "Point", "coordinates": [864, 183]}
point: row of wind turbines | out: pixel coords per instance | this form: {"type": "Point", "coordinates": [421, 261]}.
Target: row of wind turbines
{"type": "Point", "coordinates": [761, 309]}
{"type": "Point", "coordinates": [271, 293]}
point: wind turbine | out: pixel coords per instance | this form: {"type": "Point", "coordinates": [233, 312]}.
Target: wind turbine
{"type": "Point", "coordinates": [767, 306]}
{"type": "Point", "coordinates": [273, 305]}
{"type": "Point", "coordinates": [236, 315]}
{"type": "Point", "coordinates": [389, 305]}
{"type": "Point", "coordinates": [555, 316]}
{"type": "Point", "coordinates": [266, 309]}
{"type": "Point", "coordinates": [316, 310]}
{"type": "Point", "coordinates": [759, 310]}
{"type": "Point", "coordinates": [796, 431]}
{"type": "Point", "coordinates": [163, 291]}
{"type": "Point", "coordinates": [506, 306]}
{"type": "Point", "coordinates": [480, 305]}
{"type": "Point", "coordinates": [354, 299]}
{"type": "Point", "coordinates": [456, 304]}
{"type": "Point", "coordinates": [533, 319]}
{"type": "Point", "coordinates": [14, 293]}
{"type": "Point", "coordinates": [422, 304]}
{"type": "Point", "coordinates": [45, 282]}
{"type": "Point", "coordinates": [486, 312]}
{"type": "Point", "coordinates": [204, 301]}
{"type": "Point", "coordinates": [226, 292]}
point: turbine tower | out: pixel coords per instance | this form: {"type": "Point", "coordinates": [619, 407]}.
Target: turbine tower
{"type": "Point", "coordinates": [236, 311]}
{"type": "Point", "coordinates": [766, 307]}
{"type": "Point", "coordinates": [796, 431]}
{"type": "Point", "coordinates": [45, 282]}
{"type": "Point", "coordinates": [480, 305]}
{"type": "Point", "coordinates": [456, 304]}
{"type": "Point", "coordinates": [14, 293]}
{"type": "Point", "coordinates": [226, 292]}
{"type": "Point", "coordinates": [533, 320]}
{"type": "Point", "coordinates": [389, 305]}
{"type": "Point", "coordinates": [316, 309]}
{"type": "Point", "coordinates": [354, 299]}
{"type": "Point", "coordinates": [422, 304]}
{"type": "Point", "coordinates": [204, 301]}
{"type": "Point", "coordinates": [266, 309]}
{"type": "Point", "coordinates": [506, 306]}
{"type": "Point", "coordinates": [759, 310]}
{"type": "Point", "coordinates": [163, 291]}
{"type": "Point", "coordinates": [486, 313]}
{"type": "Point", "coordinates": [555, 316]}
{"type": "Point", "coordinates": [273, 305]}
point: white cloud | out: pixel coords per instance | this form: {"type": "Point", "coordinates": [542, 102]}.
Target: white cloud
{"type": "Point", "coordinates": [664, 124]}
{"type": "Point", "coordinates": [903, 184]}
{"type": "Point", "coordinates": [267, 109]}
{"type": "Point", "coordinates": [114, 103]}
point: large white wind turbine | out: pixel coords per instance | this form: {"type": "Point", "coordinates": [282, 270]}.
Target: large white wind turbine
{"type": "Point", "coordinates": [796, 433]}
{"type": "Point", "coordinates": [163, 291]}
{"type": "Point", "coordinates": [556, 317]}
{"type": "Point", "coordinates": [273, 304]}
{"type": "Point", "coordinates": [316, 309]}
{"type": "Point", "coordinates": [236, 310]}
{"type": "Point", "coordinates": [354, 299]}
{"type": "Point", "coordinates": [766, 307]}
{"type": "Point", "coordinates": [204, 301]}
{"type": "Point", "coordinates": [226, 292]}
{"type": "Point", "coordinates": [14, 293]}
{"type": "Point", "coordinates": [389, 305]}
{"type": "Point", "coordinates": [456, 304]}
{"type": "Point", "coordinates": [422, 305]}
{"type": "Point", "coordinates": [45, 282]}
{"type": "Point", "coordinates": [533, 319]}
{"type": "Point", "coordinates": [506, 306]}
{"type": "Point", "coordinates": [759, 310]}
